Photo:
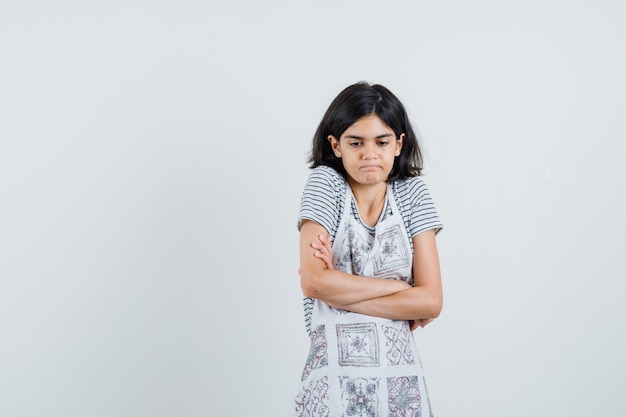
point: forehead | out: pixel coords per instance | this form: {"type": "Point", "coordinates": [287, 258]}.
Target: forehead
{"type": "Point", "coordinates": [369, 125]}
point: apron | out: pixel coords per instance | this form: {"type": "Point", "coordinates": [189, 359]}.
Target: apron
{"type": "Point", "coordinates": [358, 365]}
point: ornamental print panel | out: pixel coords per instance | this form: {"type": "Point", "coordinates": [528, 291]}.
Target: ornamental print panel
{"type": "Point", "coordinates": [358, 344]}
{"type": "Point", "coordinates": [404, 397]}
{"type": "Point", "coordinates": [353, 251]}
{"type": "Point", "coordinates": [398, 342]}
{"type": "Point", "coordinates": [393, 254]}
{"type": "Point", "coordinates": [359, 396]}
{"type": "Point", "coordinates": [312, 401]}
{"type": "Point", "coordinates": [318, 354]}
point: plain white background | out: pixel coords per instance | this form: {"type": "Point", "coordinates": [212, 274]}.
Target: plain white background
{"type": "Point", "coordinates": [152, 156]}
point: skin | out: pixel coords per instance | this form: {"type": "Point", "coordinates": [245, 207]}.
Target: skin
{"type": "Point", "coordinates": [367, 150]}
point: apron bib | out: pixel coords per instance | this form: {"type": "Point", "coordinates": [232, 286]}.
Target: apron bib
{"type": "Point", "coordinates": [358, 365]}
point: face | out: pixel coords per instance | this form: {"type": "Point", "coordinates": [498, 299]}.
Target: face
{"type": "Point", "coordinates": [367, 150]}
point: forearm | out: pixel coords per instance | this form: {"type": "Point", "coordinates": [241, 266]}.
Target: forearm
{"type": "Point", "coordinates": [338, 288]}
{"type": "Point", "coordinates": [410, 304]}
{"type": "Point", "coordinates": [319, 280]}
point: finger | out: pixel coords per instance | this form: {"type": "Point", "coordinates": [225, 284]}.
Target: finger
{"type": "Point", "coordinates": [320, 255]}
{"type": "Point", "coordinates": [326, 259]}
{"type": "Point", "coordinates": [325, 250]}
{"type": "Point", "coordinates": [424, 322]}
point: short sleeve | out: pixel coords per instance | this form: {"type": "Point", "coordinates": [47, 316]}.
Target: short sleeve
{"type": "Point", "coordinates": [323, 198]}
{"type": "Point", "coordinates": [417, 206]}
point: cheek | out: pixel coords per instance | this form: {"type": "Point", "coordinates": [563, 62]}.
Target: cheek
{"type": "Point", "coordinates": [348, 162]}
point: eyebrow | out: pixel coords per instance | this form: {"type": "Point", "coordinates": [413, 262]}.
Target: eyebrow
{"type": "Point", "coordinates": [384, 135]}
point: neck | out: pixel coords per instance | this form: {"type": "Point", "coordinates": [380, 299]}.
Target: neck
{"type": "Point", "coordinates": [370, 200]}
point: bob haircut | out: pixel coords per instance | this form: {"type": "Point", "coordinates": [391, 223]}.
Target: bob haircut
{"type": "Point", "coordinates": [358, 100]}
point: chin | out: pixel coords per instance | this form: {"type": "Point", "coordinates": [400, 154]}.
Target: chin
{"type": "Point", "coordinates": [373, 180]}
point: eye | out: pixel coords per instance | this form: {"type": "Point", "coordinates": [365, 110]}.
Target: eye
{"type": "Point", "coordinates": [355, 144]}
{"type": "Point", "coordinates": [382, 143]}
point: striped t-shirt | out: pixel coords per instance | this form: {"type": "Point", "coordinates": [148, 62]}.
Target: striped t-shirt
{"type": "Point", "coordinates": [323, 200]}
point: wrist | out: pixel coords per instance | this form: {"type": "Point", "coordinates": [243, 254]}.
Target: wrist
{"type": "Point", "coordinates": [401, 285]}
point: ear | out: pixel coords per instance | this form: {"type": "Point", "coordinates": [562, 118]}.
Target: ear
{"type": "Point", "coordinates": [399, 144]}
{"type": "Point", "coordinates": [334, 144]}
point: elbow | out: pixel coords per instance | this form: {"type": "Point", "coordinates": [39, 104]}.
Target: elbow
{"type": "Point", "coordinates": [310, 284]}
{"type": "Point", "coordinates": [431, 307]}
{"type": "Point", "coordinates": [435, 307]}
{"type": "Point", "coordinates": [427, 304]}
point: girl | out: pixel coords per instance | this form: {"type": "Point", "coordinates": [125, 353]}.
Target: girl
{"type": "Point", "coordinates": [368, 261]}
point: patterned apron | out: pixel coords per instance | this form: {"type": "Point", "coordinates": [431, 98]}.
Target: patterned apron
{"type": "Point", "coordinates": [358, 365]}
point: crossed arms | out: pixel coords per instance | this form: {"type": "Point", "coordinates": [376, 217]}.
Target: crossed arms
{"type": "Point", "coordinates": [391, 299]}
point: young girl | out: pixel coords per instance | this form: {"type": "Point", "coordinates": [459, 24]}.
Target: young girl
{"type": "Point", "coordinates": [368, 261]}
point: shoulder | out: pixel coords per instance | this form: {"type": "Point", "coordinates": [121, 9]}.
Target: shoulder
{"type": "Point", "coordinates": [323, 198]}
{"type": "Point", "coordinates": [325, 180]}
{"type": "Point", "coordinates": [411, 190]}
{"type": "Point", "coordinates": [416, 204]}
{"type": "Point", "coordinates": [326, 174]}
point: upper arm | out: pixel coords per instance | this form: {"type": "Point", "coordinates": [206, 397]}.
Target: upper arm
{"type": "Point", "coordinates": [424, 223]}
{"type": "Point", "coordinates": [426, 269]}
{"type": "Point", "coordinates": [322, 199]}
{"type": "Point", "coordinates": [309, 233]}
{"type": "Point", "coordinates": [418, 206]}
{"type": "Point", "coordinates": [320, 211]}
{"type": "Point", "coordinates": [310, 266]}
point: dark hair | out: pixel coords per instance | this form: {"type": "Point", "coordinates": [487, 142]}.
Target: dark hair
{"type": "Point", "coordinates": [358, 100]}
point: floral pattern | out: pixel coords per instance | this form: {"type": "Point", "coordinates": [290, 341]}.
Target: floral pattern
{"type": "Point", "coordinates": [359, 396]}
{"type": "Point", "coordinates": [398, 342]}
{"type": "Point", "coordinates": [356, 252]}
{"type": "Point", "coordinates": [404, 397]}
{"type": "Point", "coordinates": [393, 254]}
{"type": "Point", "coordinates": [358, 344]}
{"type": "Point", "coordinates": [318, 354]}
{"type": "Point", "coordinates": [312, 401]}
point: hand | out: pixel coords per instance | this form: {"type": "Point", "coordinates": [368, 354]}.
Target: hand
{"type": "Point", "coordinates": [324, 250]}
{"type": "Point", "coordinates": [414, 324]}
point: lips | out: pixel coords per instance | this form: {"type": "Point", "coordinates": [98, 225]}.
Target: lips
{"type": "Point", "coordinates": [370, 167]}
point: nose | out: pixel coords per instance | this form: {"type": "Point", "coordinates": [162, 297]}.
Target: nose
{"type": "Point", "coordinates": [369, 150]}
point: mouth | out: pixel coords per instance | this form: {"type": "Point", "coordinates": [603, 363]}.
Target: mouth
{"type": "Point", "coordinates": [370, 167]}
